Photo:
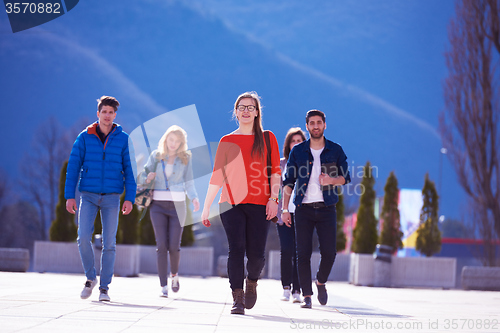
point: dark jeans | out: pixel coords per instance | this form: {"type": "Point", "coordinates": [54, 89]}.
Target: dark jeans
{"type": "Point", "coordinates": [246, 230]}
{"type": "Point", "coordinates": [325, 221]}
{"type": "Point", "coordinates": [289, 272]}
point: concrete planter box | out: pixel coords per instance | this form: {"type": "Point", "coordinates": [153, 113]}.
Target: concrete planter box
{"type": "Point", "coordinates": [431, 272]}
{"type": "Point", "coordinates": [423, 272]}
{"type": "Point", "coordinates": [64, 257]}
{"type": "Point", "coordinates": [481, 278]}
{"type": "Point", "coordinates": [361, 269]}
{"type": "Point", "coordinates": [194, 260]}
{"type": "Point", "coordinates": [14, 259]}
{"type": "Point", "coordinates": [127, 261]}
{"type": "Point", "coordinates": [381, 273]}
{"type": "Point", "coordinates": [57, 257]}
{"type": "Point", "coordinates": [406, 271]}
{"type": "Point", "coordinates": [222, 266]}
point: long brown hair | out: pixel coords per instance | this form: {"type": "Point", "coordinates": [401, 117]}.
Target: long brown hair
{"type": "Point", "coordinates": [288, 138]}
{"type": "Point", "coordinates": [182, 151]}
{"type": "Point", "coordinates": [258, 130]}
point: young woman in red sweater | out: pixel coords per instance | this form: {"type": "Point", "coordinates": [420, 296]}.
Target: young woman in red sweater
{"type": "Point", "coordinates": [247, 202]}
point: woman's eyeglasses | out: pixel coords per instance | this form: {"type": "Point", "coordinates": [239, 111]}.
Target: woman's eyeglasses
{"type": "Point", "coordinates": [242, 108]}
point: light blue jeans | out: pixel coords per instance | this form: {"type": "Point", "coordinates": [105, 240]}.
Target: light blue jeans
{"type": "Point", "coordinates": [109, 205]}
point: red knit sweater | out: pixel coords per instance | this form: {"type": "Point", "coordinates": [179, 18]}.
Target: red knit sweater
{"type": "Point", "coordinates": [247, 181]}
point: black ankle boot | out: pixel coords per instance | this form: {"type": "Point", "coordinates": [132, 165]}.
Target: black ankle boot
{"type": "Point", "coordinates": [238, 302]}
{"type": "Point", "coordinates": [250, 293]}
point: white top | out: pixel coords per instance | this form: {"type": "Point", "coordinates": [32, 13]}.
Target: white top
{"type": "Point", "coordinates": [169, 169]}
{"type": "Point", "coordinates": [160, 195]}
{"type": "Point", "coordinates": [314, 192]}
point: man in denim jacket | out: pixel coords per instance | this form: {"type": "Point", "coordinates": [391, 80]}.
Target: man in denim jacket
{"type": "Point", "coordinates": [100, 164]}
{"type": "Point", "coordinates": [314, 168]}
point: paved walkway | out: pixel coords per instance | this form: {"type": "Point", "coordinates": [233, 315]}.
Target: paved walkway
{"type": "Point", "coordinates": [34, 302]}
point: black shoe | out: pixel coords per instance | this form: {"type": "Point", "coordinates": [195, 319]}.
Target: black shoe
{"type": "Point", "coordinates": [322, 295]}
{"type": "Point", "coordinates": [250, 293]}
{"type": "Point", "coordinates": [307, 304]}
{"type": "Point", "coordinates": [238, 302]}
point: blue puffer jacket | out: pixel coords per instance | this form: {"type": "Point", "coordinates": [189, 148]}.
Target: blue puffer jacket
{"type": "Point", "coordinates": [105, 168]}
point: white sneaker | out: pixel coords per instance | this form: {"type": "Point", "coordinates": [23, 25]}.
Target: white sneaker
{"type": "Point", "coordinates": [103, 296]}
{"type": "Point", "coordinates": [296, 297]}
{"type": "Point", "coordinates": [87, 290]}
{"type": "Point", "coordinates": [175, 283]}
{"type": "Point", "coordinates": [164, 291]}
{"type": "Point", "coordinates": [286, 294]}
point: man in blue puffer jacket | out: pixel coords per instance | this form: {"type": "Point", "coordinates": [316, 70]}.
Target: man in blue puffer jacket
{"type": "Point", "coordinates": [100, 159]}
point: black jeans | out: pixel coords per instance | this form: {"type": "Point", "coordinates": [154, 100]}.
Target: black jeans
{"type": "Point", "coordinates": [246, 230]}
{"type": "Point", "coordinates": [289, 272]}
{"type": "Point", "coordinates": [325, 221]}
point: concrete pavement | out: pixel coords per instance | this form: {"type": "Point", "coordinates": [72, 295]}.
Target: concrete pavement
{"type": "Point", "coordinates": [34, 302]}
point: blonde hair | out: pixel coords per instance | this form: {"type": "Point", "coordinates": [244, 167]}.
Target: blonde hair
{"type": "Point", "coordinates": [182, 152]}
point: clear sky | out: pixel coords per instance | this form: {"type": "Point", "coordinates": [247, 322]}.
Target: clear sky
{"type": "Point", "coordinates": [376, 67]}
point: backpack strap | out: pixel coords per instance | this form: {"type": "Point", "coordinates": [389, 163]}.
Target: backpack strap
{"type": "Point", "coordinates": [268, 168]}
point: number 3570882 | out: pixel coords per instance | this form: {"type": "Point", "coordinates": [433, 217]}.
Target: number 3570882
{"type": "Point", "coordinates": [32, 8]}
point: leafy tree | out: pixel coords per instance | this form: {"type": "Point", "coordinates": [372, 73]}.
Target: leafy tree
{"type": "Point", "coordinates": [127, 225]}
{"type": "Point", "coordinates": [391, 234]}
{"type": "Point", "coordinates": [365, 233]}
{"type": "Point", "coordinates": [428, 234]}
{"type": "Point", "coordinates": [341, 238]}
{"type": "Point", "coordinates": [63, 228]}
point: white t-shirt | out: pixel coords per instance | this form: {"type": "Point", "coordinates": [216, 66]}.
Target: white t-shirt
{"type": "Point", "coordinates": [291, 205]}
{"type": "Point", "coordinates": [314, 192]}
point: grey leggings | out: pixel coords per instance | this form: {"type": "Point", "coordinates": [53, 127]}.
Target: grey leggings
{"type": "Point", "coordinates": [168, 220]}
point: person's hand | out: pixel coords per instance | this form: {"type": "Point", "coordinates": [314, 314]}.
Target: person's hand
{"type": "Point", "coordinates": [150, 177]}
{"type": "Point", "coordinates": [324, 179]}
{"type": "Point", "coordinates": [271, 209]}
{"type": "Point", "coordinates": [196, 205]}
{"type": "Point", "coordinates": [286, 218]}
{"type": "Point", "coordinates": [127, 207]}
{"type": "Point", "coordinates": [204, 217]}
{"type": "Point", "coordinates": [71, 206]}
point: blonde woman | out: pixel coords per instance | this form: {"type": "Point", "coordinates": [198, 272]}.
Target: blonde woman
{"type": "Point", "coordinates": [247, 203]}
{"type": "Point", "coordinates": [170, 168]}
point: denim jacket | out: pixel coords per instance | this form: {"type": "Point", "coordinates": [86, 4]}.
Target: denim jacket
{"type": "Point", "coordinates": [299, 167]}
{"type": "Point", "coordinates": [181, 179]}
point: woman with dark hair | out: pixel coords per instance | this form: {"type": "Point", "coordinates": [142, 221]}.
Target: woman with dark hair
{"type": "Point", "coordinates": [247, 201]}
{"type": "Point", "coordinates": [289, 273]}
{"type": "Point", "coordinates": [170, 168]}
